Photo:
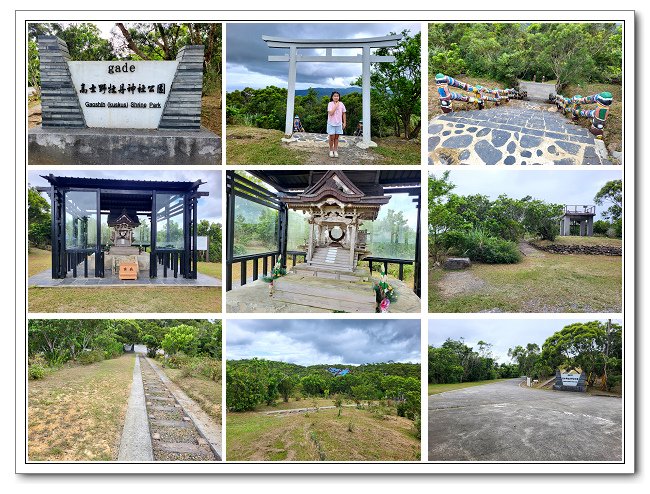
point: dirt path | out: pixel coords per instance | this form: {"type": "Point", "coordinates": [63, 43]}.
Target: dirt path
{"type": "Point", "coordinates": [529, 251]}
{"type": "Point", "coordinates": [459, 283]}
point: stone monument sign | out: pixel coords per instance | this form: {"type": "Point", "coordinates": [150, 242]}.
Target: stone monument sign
{"type": "Point", "coordinates": [149, 112]}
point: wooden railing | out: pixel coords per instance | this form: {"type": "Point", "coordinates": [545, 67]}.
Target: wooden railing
{"type": "Point", "coordinates": [295, 255]}
{"type": "Point", "coordinates": [386, 261]}
{"type": "Point", "coordinates": [479, 94]}
{"type": "Point", "coordinates": [573, 106]}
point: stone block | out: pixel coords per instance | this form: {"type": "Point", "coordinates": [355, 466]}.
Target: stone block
{"type": "Point", "coordinates": [105, 147]}
{"type": "Point", "coordinates": [457, 263]}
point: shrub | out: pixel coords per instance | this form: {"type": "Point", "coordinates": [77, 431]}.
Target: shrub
{"type": "Point", "coordinates": [417, 427]}
{"type": "Point", "coordinates": [481, 247]}
{"type": "Point", "coordinates": [36, 371]}
{"type": "Point", "coordinates": [90, 357]}
{"type": "Point", "coordinates": [601, 227]}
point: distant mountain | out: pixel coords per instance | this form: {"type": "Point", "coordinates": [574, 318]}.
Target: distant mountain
{"type": "Point", "coordinates": [326, 91]}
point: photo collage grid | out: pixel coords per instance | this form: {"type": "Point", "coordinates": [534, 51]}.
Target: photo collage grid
{"type": "Point", "coordinates": [396, 244]}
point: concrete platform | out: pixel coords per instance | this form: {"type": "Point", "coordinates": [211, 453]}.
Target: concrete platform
{"type": "Point", "coordinates": [44, 280]}
{"type": "Point", "coordinates": [105, 147]}
{"type": "Point", "coordinates": [295, 293]}
{"type": "Point", "coordinates": [314, 140]}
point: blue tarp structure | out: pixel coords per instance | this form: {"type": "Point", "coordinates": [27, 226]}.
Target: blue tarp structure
{"type": "Point", "coordinates": [338, 372]}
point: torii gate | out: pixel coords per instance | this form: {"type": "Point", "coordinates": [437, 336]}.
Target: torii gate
{"type": "Point", "coordinates": [328, 44]}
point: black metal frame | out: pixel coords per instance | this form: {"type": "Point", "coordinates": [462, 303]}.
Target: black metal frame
{"type": "Point", "coordinates": [66, 259]}
{"type": "Point", "coordinates": [238, 186]}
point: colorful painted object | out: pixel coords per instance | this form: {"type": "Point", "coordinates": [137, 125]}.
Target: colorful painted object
{"type": "Point", "coordinates": [479, 96]}
{"type": "Point", "coordinates": [573, 106]}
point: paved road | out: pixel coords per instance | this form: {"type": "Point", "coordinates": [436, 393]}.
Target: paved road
{"type": "Point", "coordinates": [516, 133]}
{"type": "Point", "coordinates": [506, 422]}
{"type": "Point", "coordinates": [538, 91]}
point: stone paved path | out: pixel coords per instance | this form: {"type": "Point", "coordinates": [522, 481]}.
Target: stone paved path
{"type": "Point", "coordinates": [518, 133]}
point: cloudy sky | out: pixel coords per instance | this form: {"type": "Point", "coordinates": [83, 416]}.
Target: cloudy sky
{"type": "Point", "coordinates": [247, 62]}
{"type": "Point", "coordinates": [558, 186]}
{"type": "Point", "coordinates": [313, 341]}
{"type": "Point", "coordinates": [502, 333]}
{"type": "Point", "coordinates": [209, 207]}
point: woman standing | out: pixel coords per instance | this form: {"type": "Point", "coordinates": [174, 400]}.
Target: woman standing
{"type": "Point", "coordinates": [335, 122]}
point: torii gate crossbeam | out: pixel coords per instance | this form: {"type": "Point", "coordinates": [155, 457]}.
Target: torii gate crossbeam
{"type": "Point", "coordinates": [365, 44]}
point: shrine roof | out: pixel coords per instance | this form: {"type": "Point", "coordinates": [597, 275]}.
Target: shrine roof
{"type": "Point", "coordinates": [297, 181]}
{"type": "Point", "coordinates": [121, 184]}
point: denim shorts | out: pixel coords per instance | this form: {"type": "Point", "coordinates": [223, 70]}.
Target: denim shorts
{"type": "Point", "coordinates": [334, 129]}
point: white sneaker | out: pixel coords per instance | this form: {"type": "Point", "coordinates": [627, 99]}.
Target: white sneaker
{"type": "Point", "coordinates": [336, 154]}
{"type": "Point", "coordinates": [331, 154]}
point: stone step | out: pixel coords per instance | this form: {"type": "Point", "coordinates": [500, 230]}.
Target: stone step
{"type": "Point", "coordinates": [187, 448]}
{"type": "Point", "coordinates": [315, 292]}
{"type": "Point", "coordinates": [165, 408]}
{"type": "Point", "coordinates": [171, 423]}
{"type": "Point", "coordinates": [160, 398]}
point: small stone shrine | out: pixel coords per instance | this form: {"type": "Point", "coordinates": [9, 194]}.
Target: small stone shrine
{"type": "Point", "coordinates": [122, 253]}
{"type": "Point", "coordinates": [121, 112]}
{"type": "Point", "coordinates": [336, 208]}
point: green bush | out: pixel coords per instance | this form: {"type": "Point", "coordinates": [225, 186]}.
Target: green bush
{"type": "Point", "coordinates": [90, 357]}
{"type": "Point", "coordinates": [36, 371]}
{"type": "Point", "coordinates": [481, 247]}
{"type": "Point", "coordinates": [195, 366]}
{"type": "Point", "coordinates": [181, 338]}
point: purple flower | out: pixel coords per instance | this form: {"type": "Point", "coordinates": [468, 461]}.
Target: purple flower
{"type": "Point", "coordinates": [383, 306]}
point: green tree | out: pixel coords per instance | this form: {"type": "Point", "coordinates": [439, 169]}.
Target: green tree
{"type": "Point", "coordinates": [525, 357]}
{"type": "Point", "coordinates": [246, 384]}
{"type": "Point", "coordinates": [181, 338]}
{"type": "Point", "coordinates": [396, 86]}
{"type": "Point", "coordinates": [611, 193]}
{"type": "Point", "coordinates": [38, 219]}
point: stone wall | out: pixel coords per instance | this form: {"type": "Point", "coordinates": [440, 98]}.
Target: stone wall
{"type": "Point", "coordinates": [60, 105]}
{"type": "Point", "coordinates": [597, 250]}
{"type": "Point", "coordinates": [183, 108]}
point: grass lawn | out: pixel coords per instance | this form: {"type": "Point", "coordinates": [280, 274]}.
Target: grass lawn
{"type": "Point", "coordinates": [38, 260]}
{"type": "Point", "coordinates": [125, 299]}
{"type": "Point", "coordinates": [254, 146]}
{"type": "Point", "coordinates": [210, 268]}
{"type": "Point", "coordinates": [552, 283]}
{"type": "Point", "coordinates": [204, 391]}
{"type": "Point", "coordinates": [575, 240]}
{"type": "Point", "coordinates": [434, 389]}
{"type": "Point", "coordinates": [397, 151]}
{"type": "Point", "coordinates": [77, 413]}
{"type": "Point", "coordinates": [357, 435]}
